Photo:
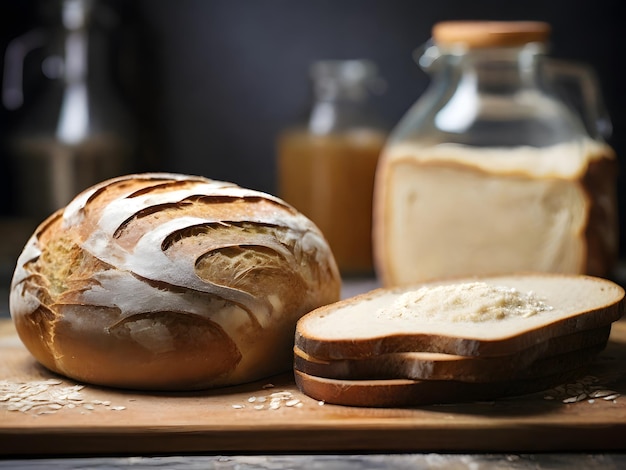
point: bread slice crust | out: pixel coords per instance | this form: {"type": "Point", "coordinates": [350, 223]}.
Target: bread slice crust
{"type": "Point", "coordinates": [545, 374]}
{"type": "Point", "coordinates": [351, 329]}
{"type": "Point", "coordinates": [436, 366]}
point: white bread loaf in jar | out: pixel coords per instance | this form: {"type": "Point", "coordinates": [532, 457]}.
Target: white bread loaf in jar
{"type": "Point", "coordinates": [170, 282]}
{"type": "Point", "coordinates": [450, 210]}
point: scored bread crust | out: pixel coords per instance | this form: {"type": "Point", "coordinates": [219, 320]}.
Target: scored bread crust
{"type": "Point", "coordinates": [167, 281]}
{"type": "Point", "coordinates": [436, 366]}
{"type": "Point", "coordinates": [349, 329]}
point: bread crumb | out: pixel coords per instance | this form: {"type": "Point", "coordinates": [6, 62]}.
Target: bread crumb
{"type": "Point", "coordinates": [465, 302]}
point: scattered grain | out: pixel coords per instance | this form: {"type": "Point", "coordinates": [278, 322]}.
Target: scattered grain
{"type": "Point", "coordinates": [586, 388]}
{"type": "Point", "coordinates": [611, 397]}
{"type": "Point", "coordinates": [273, 401]}
{"type": "Point", "coordinates": [602, 393]}
{"type": "Point", "coordinates": [44, 396]}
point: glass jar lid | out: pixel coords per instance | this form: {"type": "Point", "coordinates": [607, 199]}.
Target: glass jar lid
{"type": "Point", "coordinates": [482, 34]}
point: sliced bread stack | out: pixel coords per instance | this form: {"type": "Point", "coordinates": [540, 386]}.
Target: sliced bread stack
{"type": "Point", "coordinates": [455, 341]}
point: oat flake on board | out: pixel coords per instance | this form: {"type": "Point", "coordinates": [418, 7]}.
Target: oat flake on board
{"type": "Point", "coordinates": [46, 397]}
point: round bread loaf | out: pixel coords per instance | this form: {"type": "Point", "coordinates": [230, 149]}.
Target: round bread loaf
{"type": "Point", "coordinates": [170, 282]}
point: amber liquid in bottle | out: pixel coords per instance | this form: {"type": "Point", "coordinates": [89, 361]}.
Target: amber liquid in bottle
{"type": "Point", "coordinates": [330, 179]}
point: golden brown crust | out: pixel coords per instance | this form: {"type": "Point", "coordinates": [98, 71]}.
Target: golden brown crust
{"type": "Point", "coordinates": [429, 366]}
{"type": "Point", "coordinates": [603, 225]}
{"type": "Point", "coordinates": [397, 393]}
{"type": "Point", "coordinates": [541, 375]}
{"type": "Point", "coordinates": [162, 281]}
{"type": "Point", "coordinates": [198, 354]}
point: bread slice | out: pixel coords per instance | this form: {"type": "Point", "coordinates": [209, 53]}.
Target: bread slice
{"type": "Point", "coordinates": [437, 366]}
{"type": "Point", "coordinates": [378, 322]}
{"type": "Point", "coordinates": [545, 374]}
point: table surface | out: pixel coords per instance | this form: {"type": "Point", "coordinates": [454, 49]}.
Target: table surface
{"type": "Point", "coordinates": [331, 462]}
{"type": "Point", "coordinates": [356, 460]}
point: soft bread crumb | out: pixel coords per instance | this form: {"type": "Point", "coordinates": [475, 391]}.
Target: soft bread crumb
{"type": "Point", "coordinates": [475, 302]}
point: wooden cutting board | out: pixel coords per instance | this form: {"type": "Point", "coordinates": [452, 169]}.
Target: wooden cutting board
{"type": "Point", "coordinates": [101, 421]}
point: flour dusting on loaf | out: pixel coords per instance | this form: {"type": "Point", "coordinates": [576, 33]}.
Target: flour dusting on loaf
{"type": "Point", "coordinates": [167, 281]}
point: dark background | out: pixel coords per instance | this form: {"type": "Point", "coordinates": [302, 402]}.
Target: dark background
{"type": "Point", "coordinates": [211, 82]}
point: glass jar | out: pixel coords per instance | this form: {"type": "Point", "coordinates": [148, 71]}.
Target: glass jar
{"type": "Point", "coordinates": [326, 166]}
{"type": "Point", "coordinates": [492, 170]}
{"type": "Point", "coordinates": [77, 131]}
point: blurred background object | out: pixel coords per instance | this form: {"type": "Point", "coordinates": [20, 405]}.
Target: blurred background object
{"type": "Point", "coordinates": [492, 170]}
{"type": "Point", "coordinates": [210, 84]}
{"type": "Point", "coordinates": [75, 132]}
{"type": "Point", "coordinates": [327, 163]}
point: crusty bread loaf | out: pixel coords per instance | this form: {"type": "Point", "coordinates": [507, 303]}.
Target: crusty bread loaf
{"type": "Point", "coordinates": [164, 281]}
{"type": "Point", "coordinates": [436, 366]}
{"type": "Point", "coordinates": [379, 322]}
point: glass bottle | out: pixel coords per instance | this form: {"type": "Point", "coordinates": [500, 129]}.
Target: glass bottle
{"type": "Point", "coordinates": [76, 131]}
{"type": "Point", "coordinates": [326, 167]}
{"type": "Point", "coordinates": [492, 170]}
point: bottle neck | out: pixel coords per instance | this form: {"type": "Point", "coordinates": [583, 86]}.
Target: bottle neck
{"type": "Point", "coordinates": [76, 19]}
{"type": "Point", "coordinates": [338, 114]}
{"type": "Point", "coordinates": [341, 94]}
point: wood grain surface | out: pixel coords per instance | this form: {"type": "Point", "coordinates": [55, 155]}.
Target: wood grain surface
{"type": "Point", "coordinates": [106, 421]}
